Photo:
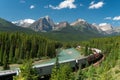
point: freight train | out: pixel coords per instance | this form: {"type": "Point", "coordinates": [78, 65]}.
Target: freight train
{"type": "Point", "coordinates": [46, 69]}
{"type": "Point", "coordinates": [75, 64]}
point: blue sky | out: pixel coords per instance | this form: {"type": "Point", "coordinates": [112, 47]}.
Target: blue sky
{"type": "Point", "coordinates": [93, 11]}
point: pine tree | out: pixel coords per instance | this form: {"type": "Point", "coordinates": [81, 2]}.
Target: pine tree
{"type": "Point", "coordinates": [5, 61]}
{"type": "Point", "coordinates": [11, 55]}
{"type": "Point", "coordinates": [55, 71]}
{"type": "Point", "coordinates": [1, 55]}
{"type": "Point", "coordinates": [65, 72]}
{"type": "Point", "coordinates": [16, 57]}
{"type": "Point", "coordinates": [86, 50]}
{"type": "Point", "coordinates": [27, 72]}
{"type": "Point", "coordinates": [61, 72]}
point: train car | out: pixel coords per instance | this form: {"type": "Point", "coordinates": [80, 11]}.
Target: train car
{"type": "Point", "coordinates": [81, 63]}
{"type": "Point", "coordinates": [98, 56]}
{"type": "Point", "coordinates": [8, 74]}
{"type": "Point", "coordinates": [46, 69]}
{"type": "Point", "coordinates": [75, 61]}
{"type": "Point", "coordinates": [94, 58]}
{"type": "Point", "coordinates": [71, 62]}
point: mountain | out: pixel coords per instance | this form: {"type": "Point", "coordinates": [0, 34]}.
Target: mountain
{"type": "Point", "coordinates": [69, 33]}
{"type": "Point", "coordinates": [78, 22]}
{"type": "Point", "coordinates": [61, 25]}
{"type": "Point", "coordinates": [116, 30]}
{"type": "Point", "coordinates": [106, 28]}
{"type": "Point", "coordinates": [43, 24]}
{"type": "Point", "coordinates": [8, 26]}
{"type": "Point", "coordinates": [63, 31]}
{"type": "Point", "coordinates": [84, 26]}
{"type": "Point", "coordinates": [97, 27]}
{"type": "Point", "coordinates": [24, 23]}
{"type": "Point", "coordinates": [76, 31]}
{"type": "Point", "coordinates": [46, 24]}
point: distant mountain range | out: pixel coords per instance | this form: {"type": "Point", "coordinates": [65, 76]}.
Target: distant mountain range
{"type": "Point", "coordinates": [63, 31]}
{"type": "Point", "coordinates": [46, 24]}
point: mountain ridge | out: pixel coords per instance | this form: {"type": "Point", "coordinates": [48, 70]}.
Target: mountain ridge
{"type": "Point", "coordinates": [62, 31]}
{"type": "Point", "coordinates": [45, 24]}
{"type": "Point", "coordinates": [10, 27]}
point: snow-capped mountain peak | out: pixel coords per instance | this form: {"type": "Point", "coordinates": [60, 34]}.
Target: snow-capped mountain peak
{"type": "Point", "coordinates": [29, 20]}
{"type": "Point", "coordinates": [81, 20]}
{"type": "Point", "coordinates": [78, 21]}
{"type": "Point", "coordinates": [47, 17]}
{"type": "Point", "coordinates": [46, 24]}
{"type": "Point", "coordinates": [105, 26]}
{"type": "Point", "coordinates": [24, 23]}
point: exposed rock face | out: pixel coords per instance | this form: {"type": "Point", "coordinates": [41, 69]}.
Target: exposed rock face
{"type": "Point", "coordinates": [78, 22]}
{"type": "Point", "coordinates": [61, 25]}
{"type": "Point", "coordinates": [83, 25]}
{"type": "Point", "coordinates": [43, 24]}
{"type": "Point", "coordinates": [97, 27]}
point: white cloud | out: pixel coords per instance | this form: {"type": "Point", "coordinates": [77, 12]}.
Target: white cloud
{"type": "Point", "coordinates": [116, 18]}
{"type": "Point", "coordinates": [32, 7]}
{"type": "Point", "coordinates": [65, 4]}
{"type": "Point", "coordinates": [94, 5]}
{"type": "Point", "coordinates": [108, 18]}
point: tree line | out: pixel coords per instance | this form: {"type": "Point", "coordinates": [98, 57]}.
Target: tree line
{"type": "Point", "coordinates": [15, 47]}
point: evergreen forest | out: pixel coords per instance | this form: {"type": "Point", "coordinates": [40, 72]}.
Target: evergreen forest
{"type": "Point", "coordinates": [17, 47]}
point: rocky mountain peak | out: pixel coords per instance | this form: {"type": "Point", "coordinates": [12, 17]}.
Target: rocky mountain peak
{"type": "Point", "coordinates": [43, 24]}
{"type": "Point", "coordinates": [47, 17]}
{"type": "Point", "coordinates": [24, 23]}
{"type": "Point", "coordinates": [81, 20]}
{"type": "Point", "coordinates": [47, 24]}
{"type": "Point", "coordinates": [78, 22]}
{"type": "Point", "coordinates": [105, 27]}
{"type": "Point", "coordinates": [61, 25]}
